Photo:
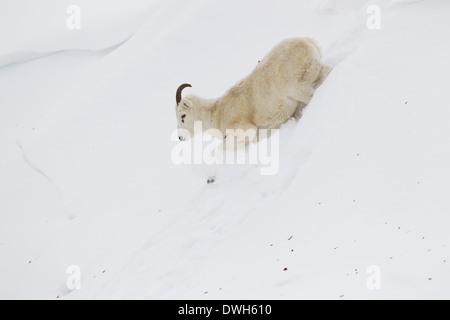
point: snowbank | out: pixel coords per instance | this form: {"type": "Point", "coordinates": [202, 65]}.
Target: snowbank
{"type": "Point", "coordinates": [31, 29]}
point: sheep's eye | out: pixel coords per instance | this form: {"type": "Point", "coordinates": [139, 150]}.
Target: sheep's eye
{"type": "Point", "coordinates": [182, 118]}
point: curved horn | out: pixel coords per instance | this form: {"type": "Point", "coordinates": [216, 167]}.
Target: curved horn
{"type": "Point", "coordinates": [180, 89]}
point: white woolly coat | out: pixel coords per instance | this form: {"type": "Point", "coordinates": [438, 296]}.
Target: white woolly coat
{"type": "Point", "coordinates": [280, 86]}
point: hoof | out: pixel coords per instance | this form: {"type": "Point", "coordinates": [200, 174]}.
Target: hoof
{"type": "Point", "coordinates": [211, 180]}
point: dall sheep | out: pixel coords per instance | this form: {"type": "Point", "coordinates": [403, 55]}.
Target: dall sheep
{"type": "Point", "coordinates": [280, 86]}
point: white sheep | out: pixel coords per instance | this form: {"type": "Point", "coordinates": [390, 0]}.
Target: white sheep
{"type": "Point", "coordinates": [280, 86]}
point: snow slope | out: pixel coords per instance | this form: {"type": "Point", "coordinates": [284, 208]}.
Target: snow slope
{"type": "Point", "coordinates": [86, 176]}
{"type": "Point", "coordinates": [32, 29]}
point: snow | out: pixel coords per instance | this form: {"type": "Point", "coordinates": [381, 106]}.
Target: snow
{"type": "Point", "coordinates": [86, 177]}
{"type": "Point", "coordinates": [31, 29]}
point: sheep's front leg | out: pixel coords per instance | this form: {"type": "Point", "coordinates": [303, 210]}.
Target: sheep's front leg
{"type": "Point", "coordinates": [235, 141]}
{"type": "Point", "coordinates": [242, 135]}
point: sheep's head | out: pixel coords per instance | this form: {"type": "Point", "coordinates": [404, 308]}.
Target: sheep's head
{"type": "Point", "coordinates": [184, 111]}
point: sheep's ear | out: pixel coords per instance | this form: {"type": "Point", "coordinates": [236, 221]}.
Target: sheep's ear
{"type": "Point", "coordinates": [186, 104]}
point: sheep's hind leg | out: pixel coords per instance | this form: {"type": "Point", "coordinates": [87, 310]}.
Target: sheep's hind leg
{"type": "Point", "coordinates": [320, 79]}
{"type": "Point", "coordinates": [304, 93]}
{"type": "Point", "coordinates": [302, 96]}
{"type": "Point", "coordinates": [326, 70]}
{"type": "Point", "coordinates": [299, 112]}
